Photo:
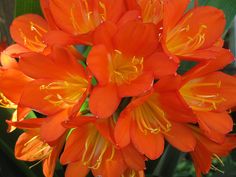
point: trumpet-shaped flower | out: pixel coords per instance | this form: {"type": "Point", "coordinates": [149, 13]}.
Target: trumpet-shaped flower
{"type": "Point", "coordinates": [30, 147]}
{"type": "Point", "coordinates": [91, 147]}
{"type": "Point", "coordinates": [145, 123]}
{"type": "Point", "coordinates": [206, 150]}
{"type": "Point", "coordinates": [192, 35]}
{"type": "Point", "coordinates": [123, 68]}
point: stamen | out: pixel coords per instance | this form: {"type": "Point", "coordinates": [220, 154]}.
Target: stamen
{"type": "Point", "coordinates": [6, 103]}
{"type": "Point", "coordinates": [95, 148]}
{"type": "Point", "coordinates": [152, 10]}
{"type": "Point", "coordinates": [150, 117]}
{"type": "Point", "coordinates": [181, 44]}
{"type": "Point", "coordinates": [85, 18]}
{"type": "Point", "coordinates": [68, 91]}
{"type": "Point", "coordinates": [123, 69]}
{"type": "Point", "coordinates": [200, 101]}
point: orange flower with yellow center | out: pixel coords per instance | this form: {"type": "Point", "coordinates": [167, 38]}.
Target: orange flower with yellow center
{"type": "Point", "coordinates": [145, 123]}
{"type": "Point", "coordinates": [91, 147]}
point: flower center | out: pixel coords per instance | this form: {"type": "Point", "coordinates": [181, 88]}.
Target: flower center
{"type": "Point", "coordinates": [124, 69]}
{"type": "Point", "coordinates": [36, 149]}
{"type": "Point", "coordinates": [85, 18]}
{"type": "Point", "coordinates": [202, 96]}
{"type": "Point", "coordinates": [150, 117]}
{"type": "Point", "coordinates": [152, 10]}
{"type": "Point", "coordinates": [96, 147]}
{"type": "Point", "coordinates": [68, 91]}
{"type": "Point", "coordinates": [6, 103]}
{"type": "Point", "coordinates": [36, 43]}
{"type": "Point", "coordinates": [182, 40]}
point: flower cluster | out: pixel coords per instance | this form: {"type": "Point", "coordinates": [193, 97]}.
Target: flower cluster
{"type": "Point", "coordinates": [112, 107]}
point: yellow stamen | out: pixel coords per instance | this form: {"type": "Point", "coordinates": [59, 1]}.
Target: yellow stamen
{"type": "Point", "coordinates": [124, 70]}
{"type": "Point", "coordinates": [150, 117]}
{"type": "Point", "coordinates": [6, 103]}
{"type": "Point", "coordinates": [95, 148]}
{"type": "Point", "coordinates": [200, 101]}
{"type": "Point", "coordinates": [68, 91]}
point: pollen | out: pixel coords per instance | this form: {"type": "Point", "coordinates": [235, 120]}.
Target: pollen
{"type": "Point", "coordinates": [67, 92]}
{"type": "Point", "coordinates": [202, 96]}
{"type": "Point", "coordinates": [124, 69]}
{"type": "Point", "coordinates": [150, 117]}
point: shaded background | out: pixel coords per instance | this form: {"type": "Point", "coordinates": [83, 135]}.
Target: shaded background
{"type": "Point", "coordinates": [172, 164]}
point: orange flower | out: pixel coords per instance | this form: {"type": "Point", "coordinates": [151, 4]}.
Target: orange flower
{"type": "Point", "coordinates": [91, 147]}
{"type": "Point", "coordinates": [193, 35]}
{"type": "Point", "coordinates": [122, 67]}
{"type": "Point", "coordinates": [145, 123]}
{"type": "Point", "coordinates": [206, 150]}
{"type": "Point", "coordinates": [208, 95]}
{"type": "Point", "coordinates": [30, 147]}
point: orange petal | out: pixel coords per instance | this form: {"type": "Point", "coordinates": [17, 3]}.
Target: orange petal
{"type": "Point", "coordinates": [98, 63]}
{"type": "Point", "coordinates": [28, 30]}
{"type": "Point", "coordinates": [122, 129]}
{"type": "Point", "coordinates": [74, 149]}
{"type": "Point", "coordinates": [211, 122]}
{"type": "Point", "coordinates": [173, 11]}
{"type": "Point", "coordinates": [27, 123]}
{"type": "Point", "coordinates": [104, 100]}
{"type": "Point", "coordinates": [222, 58]}
{"type": "Point", "coordinates": [76, 169]}
{"type": "Point", "coordinates": [181, 137]}
{"type": "Point", "coordinates": [52, 129]}
{"type": "Point", "coordinates": [12, 84]}
{"type": "Point", "coordinates": [152, 145]}
{"type": "Point", "coordinates": [136, 39]}
{"type": "Point", "coordinates": [160, 64]}
{"type": "Point", "coordinates": [133, 158]}
{"type": "Point", "coordinates": [138, 86]}
{"type": "Point", "coordinates": [35, 98]}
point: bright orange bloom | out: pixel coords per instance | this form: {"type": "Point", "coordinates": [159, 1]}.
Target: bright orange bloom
{"type": "Point", "coordinates": [91, 146]}
{"type": "Point", "coordinates": [145, 122]}
{"type": "Point", "coordinates": [206, 150]}
{"type": "Point", "coordinates": [208, 95]}
{"type": "Point", "coordinates": [192, 36]}
{"type": "Point", "coordinates": [30, 147]}
{"type": "Point", "coordinates": [125, 64]}
{"type": "Point", "coordinates": [59, 88]}
{"type": "Point", "coordinates": [83, 16]}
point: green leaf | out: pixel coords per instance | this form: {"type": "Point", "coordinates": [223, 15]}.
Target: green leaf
{"type": "Point", "coordinates": [27, 6]}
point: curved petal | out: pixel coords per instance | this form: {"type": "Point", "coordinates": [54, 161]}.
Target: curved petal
{"type": "Point", "coordinates": [160, 64]}
{"type": "Point", "coordinates": [133, 158]}
{"type": "Point", "coordinates": [74, 149]}
{"type": "Point", "coordinates": [76, 169]}
{"type": "Point", "coordinates": [122, 129]}
{"type": "Point", "coordinates": [104, 100]}
{"type": "Point", "coordinates": [136, 39]}
{"type": "Point", "coordinates": [12, 84]}
{"type": "Point", "coordinates": [28, 31]}
{"type": "Point", "coordinates": [138, 86]}
{"type": "Point", "coordinates": [35, 98]}
{"type": "Point", "coordinates": [97, 61]}
{"type": "Point", "coordinates": [222, 58]}
{"type": "Point", "coordinates": [52, 129]}
{"type": "Point", "coordinates": [181, 137]}
{"type": "Point", "coordinates": [152, 145]}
